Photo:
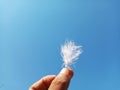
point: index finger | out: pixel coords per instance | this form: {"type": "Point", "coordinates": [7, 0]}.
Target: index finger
{"type": "Point", "coordinates": [43, 84]}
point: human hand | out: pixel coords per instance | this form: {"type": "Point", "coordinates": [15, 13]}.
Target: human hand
{"type": "Point", "coordinates": [52, 82]}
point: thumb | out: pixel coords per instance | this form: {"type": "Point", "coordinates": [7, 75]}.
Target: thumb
{"type": "Point", "coordinates": [62, 80]}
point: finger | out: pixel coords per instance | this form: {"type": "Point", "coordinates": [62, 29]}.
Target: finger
{"type": "Point", "coordinates": [43, 84]}
{"type": "Point", "coordinates": [61, 82]}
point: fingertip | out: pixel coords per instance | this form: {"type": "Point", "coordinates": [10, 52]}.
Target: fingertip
{"type": "Point", "coordinates": [71, 72]}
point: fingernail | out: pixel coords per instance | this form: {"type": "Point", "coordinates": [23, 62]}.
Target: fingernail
{"type": "Point", "coordinates": [67, 71]}
{"type": "Point", "coordinates": [63, 70]}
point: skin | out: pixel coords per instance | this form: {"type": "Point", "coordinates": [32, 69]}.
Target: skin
{"type": "Point", "coordinates": [52, 82]}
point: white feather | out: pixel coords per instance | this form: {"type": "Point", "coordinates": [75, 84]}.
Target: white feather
{"type": "Point", "coordinates": [70, 52]}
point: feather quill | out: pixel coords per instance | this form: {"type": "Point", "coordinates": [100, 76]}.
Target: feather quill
{"type": "Point", "coordinates": [70, 52]}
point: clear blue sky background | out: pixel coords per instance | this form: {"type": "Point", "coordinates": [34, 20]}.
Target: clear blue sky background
{"type": "Point", "coordinates": [32, 31]}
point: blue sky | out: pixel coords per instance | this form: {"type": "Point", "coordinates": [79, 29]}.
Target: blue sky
{"type": "Point", "coordinates": [32, 31]}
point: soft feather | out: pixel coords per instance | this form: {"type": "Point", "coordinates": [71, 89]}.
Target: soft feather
{"type": "Point", "coordinates": [70, 52]}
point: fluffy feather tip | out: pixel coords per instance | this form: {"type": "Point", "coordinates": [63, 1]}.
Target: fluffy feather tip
{"type": "Point", "coordinates": [70, 52]}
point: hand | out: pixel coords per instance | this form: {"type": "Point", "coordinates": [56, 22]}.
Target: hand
{"type": "Point", "coordinates": [52, 82]}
